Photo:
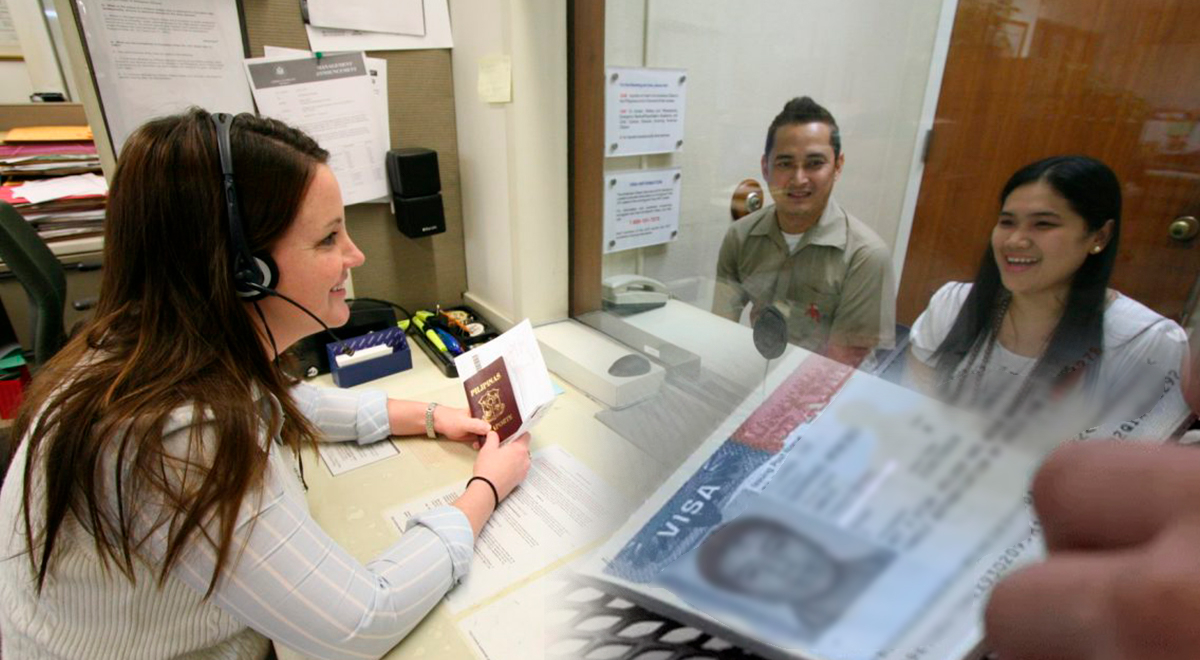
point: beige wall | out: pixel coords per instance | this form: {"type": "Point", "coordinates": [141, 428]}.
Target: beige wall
{"type": "Point", "coordinates": [14, 82]}
{"type": "Point", "coordinates": [513, 158]}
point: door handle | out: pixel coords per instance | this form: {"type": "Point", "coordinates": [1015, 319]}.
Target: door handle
{"type": "Point", "coordinates": [1184, 228]}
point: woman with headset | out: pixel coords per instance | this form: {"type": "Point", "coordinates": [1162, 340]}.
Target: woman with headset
{"type": "Point", "coordinates": [155, 506]}
{"type": "Point", "coordinates": [1039, 333]}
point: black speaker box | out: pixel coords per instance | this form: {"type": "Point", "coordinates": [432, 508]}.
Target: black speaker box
{"type": "Point", "coordinates": [416, 191]}
{"type": "Point", "coordinates": [419, 216]}
{"type": "Point", "coordinates": [413, 172]}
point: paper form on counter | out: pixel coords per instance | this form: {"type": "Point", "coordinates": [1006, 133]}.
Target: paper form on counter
{"type": "Point", "coordinates": [342, 457]}
{"type": "Point", "coordinates": [560, 508]}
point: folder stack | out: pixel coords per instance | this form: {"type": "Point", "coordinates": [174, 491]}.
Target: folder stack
{"type": "Point", "coordinates": [52, 177]}
{"type": "Point", "coordinates": [14, 377]}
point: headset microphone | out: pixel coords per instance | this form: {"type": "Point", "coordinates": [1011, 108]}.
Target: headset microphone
{"type": "Point", "coordinates": [345, 349]}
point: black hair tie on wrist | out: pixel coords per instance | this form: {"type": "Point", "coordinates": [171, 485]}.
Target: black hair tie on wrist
{"type": "Point", "coordinates": [495, 493]}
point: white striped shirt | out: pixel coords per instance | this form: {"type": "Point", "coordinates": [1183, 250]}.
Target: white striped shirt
{"type": "Point", "coordinates": [290, 582]}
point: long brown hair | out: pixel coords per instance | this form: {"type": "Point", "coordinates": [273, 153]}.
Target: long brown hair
{"type": "Point", "coordinates": [169, 331]}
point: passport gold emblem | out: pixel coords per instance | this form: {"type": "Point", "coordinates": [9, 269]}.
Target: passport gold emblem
{"type": "Point", "coordinates": [493, 407]}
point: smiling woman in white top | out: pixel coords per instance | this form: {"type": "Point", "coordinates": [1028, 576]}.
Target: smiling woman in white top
{"type": "Point", "coordinates": [1039, 324]}
{"type": "Point", "coordinates": [155, 506]}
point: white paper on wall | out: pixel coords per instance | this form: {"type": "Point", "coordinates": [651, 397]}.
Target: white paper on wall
{"type": "Point", "coordinates": [643, 110]}
{"type": "Point", "coordinates": [641, 208]}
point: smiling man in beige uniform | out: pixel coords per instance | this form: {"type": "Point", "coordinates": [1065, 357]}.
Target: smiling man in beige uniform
{"type": "Point", "coordinates": [828, 273]}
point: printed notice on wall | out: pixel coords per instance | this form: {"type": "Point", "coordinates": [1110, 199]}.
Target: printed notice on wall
{"type": "Point", "coordinates": [643, 110]}
{"type": "Point", "coordinates": [332, 99]}
{"type": "Point", "coordinates": [641, 208]}
{"type": "Point", "coordinates": [153, 58]}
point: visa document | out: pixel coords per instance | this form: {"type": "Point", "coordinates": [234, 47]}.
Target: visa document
{"type": "Point", "coordinates": [506, 371]}
{"type": "Point", "coordinates": [844, 518]}
{"type": "Point", "coordinates": [561, 508]}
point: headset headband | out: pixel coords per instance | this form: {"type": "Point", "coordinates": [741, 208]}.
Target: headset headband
{"type": "Point", "coordinates": [248, 275]}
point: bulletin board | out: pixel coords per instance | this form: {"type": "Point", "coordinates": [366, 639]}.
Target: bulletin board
{"type": "Point", "coordinates": [416, 273]}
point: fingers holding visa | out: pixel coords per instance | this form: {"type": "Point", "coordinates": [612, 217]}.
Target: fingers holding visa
{"type": "Point", "coordinates": [505, 466]}
{"type": "Point", "coordinates": [1052, 610]}
{"type": "Point", "coordinates": [1112, 495]}
{"type": "Point", "coordinates": [1127, 603]}
{"type": "Point", "coordinates": [1122, 579]}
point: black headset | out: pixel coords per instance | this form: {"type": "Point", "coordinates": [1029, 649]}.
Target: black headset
{"type": "Point", "coordinates": [254, 275]}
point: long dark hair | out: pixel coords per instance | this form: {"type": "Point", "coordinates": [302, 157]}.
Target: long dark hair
{"type": "Point", "coordinates": [1092, 191]}
{"type": "Point", "coordinates": [168, 331]}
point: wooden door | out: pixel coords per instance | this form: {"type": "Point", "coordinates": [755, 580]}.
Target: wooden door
{"type": "Point", "coordinates": [1115, 79]}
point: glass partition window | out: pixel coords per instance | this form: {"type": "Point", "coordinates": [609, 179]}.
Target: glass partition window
{"type": "Point", "coordinates": [868, 65]}
{"type": "Point", "coordinates": [883, 258]}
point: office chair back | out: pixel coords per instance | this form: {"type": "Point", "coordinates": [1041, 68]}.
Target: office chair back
{"type": "Point", "coordinates": [41, 274]}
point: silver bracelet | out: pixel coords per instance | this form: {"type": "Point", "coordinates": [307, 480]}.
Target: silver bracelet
{"type": "Point", "coordinates": [429, 432]}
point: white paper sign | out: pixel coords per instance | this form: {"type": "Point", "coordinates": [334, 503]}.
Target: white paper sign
{"type": "Point", "coordinates": [437, 34]}
{"type": "Point", "coordinates": [560, 508]}
{"type": "Point", "coordinates": [341, 457]}
{"type": "Point", "coordinates": [153, 59]}
{"type": "Point", "coordinates": [643, 110]}
{"type": "Point", "coordinates": [377, 68]}
{"type": "Point", "coordinates": [332, 99]}
{"type": "Point", "coordinates": [395, 16]}
{"type": "Point", "coordinates": [641, 208]}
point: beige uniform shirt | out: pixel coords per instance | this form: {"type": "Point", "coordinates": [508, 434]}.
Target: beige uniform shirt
{"type": "Point", "coordinates": [837, 285]}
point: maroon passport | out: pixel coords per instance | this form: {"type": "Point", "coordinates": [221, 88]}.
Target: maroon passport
{"type": "Point", "coordinates": [490, 397]}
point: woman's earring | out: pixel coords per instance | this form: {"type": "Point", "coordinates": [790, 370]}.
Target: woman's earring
{"type": "Point", "coordinates": [1096, 249]}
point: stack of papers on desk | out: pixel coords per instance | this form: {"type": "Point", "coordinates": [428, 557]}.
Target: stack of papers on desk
{"type": "Point", "coordinates": [48, 158]}
{"type": "Point", "coordinates": [52, 178]}
{"type": "Point", "coordinates": [70, 206]}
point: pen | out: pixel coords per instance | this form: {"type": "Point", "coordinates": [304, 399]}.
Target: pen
{"type": "Point", "coordinates": [448, 339]}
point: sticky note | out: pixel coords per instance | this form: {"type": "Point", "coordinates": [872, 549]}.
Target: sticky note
{"type": "Point", "coordinates": [495, 79]}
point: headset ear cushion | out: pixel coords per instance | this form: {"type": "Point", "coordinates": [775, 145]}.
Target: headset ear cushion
{"type": "Point", "coordinates": [266, 266]}
{"type": "Point", "coordinates": [262, 274]}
